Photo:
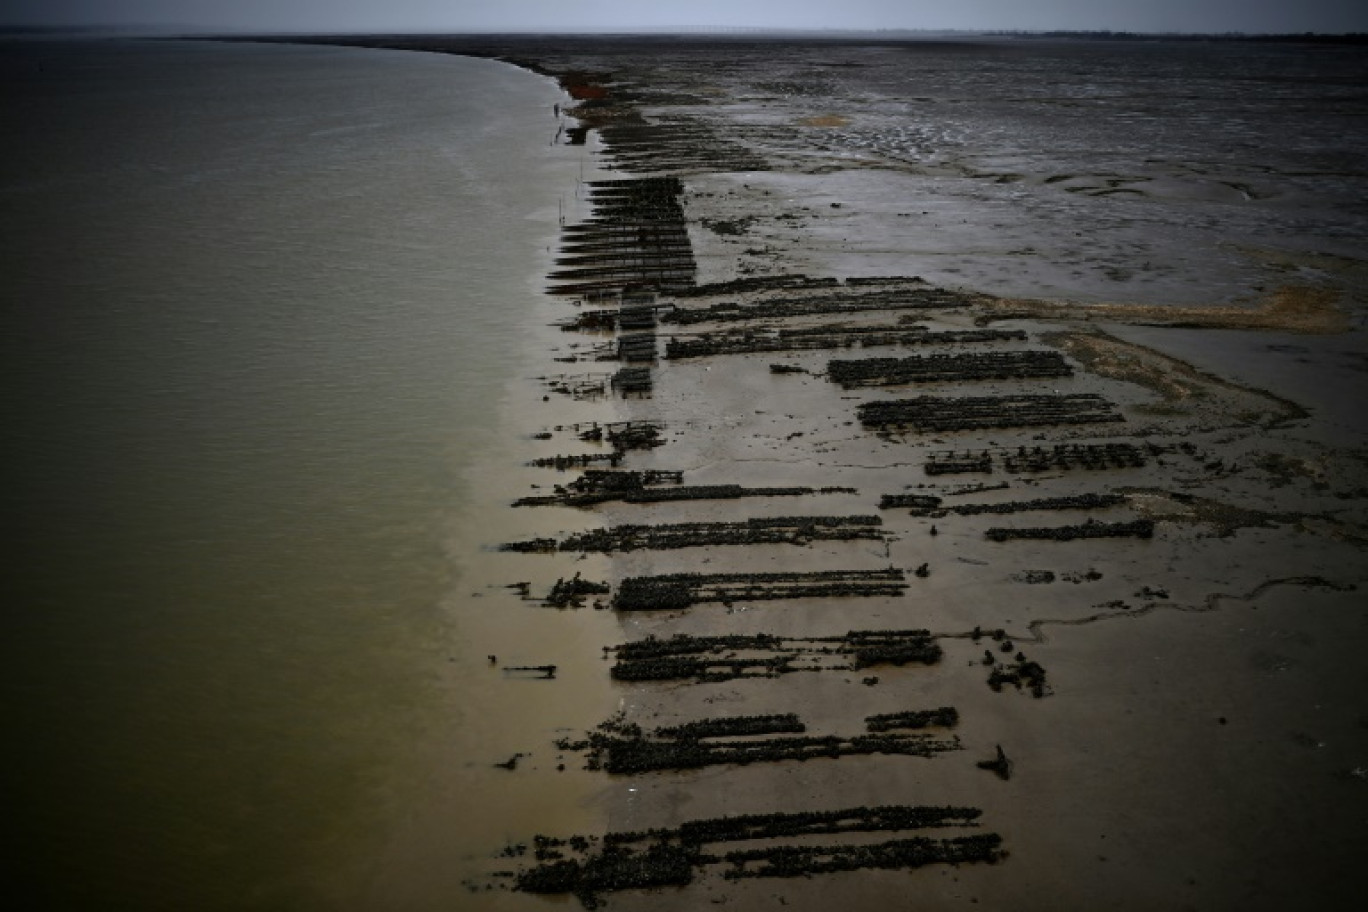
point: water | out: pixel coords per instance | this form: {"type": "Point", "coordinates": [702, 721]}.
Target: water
{"type": "Point", "coordinates": [262, 310]}
{"type": "Point", "coordinates": [1151, 172]}
{"type": "Point", "coordinates": [269, 315]}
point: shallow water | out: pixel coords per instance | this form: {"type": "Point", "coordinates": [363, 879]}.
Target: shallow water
{"type": "Point", "coordinates": [270, 313]}
{"type": "Point", "coordinates": [263, 310]}
{"type": "Point", "coordinates": [1187, 173]}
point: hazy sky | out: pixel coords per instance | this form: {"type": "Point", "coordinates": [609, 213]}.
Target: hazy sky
{"type": "Point", "coordinates": [612, 15]}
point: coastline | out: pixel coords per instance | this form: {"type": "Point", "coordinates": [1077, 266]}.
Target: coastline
{"type": "Point", "coordinates": [254, 350]}
{"type": "Point", "coordinates": [475, 797]}
{"type": "Point", "coordinates": [1198, 678]}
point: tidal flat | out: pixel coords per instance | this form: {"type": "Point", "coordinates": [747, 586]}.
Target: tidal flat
{"type": "Point", "coordinates": [1081, 324]}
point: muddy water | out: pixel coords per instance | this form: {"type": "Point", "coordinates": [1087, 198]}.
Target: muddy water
{"type": "Point", "coordinates": [267, 320]}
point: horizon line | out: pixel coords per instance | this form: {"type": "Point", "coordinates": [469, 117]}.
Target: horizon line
{"type": "Point", "coordinates": [681, 30]}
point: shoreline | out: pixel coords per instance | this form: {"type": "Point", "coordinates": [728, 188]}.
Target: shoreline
{"type": "Point", "coordinates": [1073, 739]}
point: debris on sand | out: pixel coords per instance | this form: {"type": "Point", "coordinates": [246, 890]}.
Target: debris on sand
{"type": "Point", "coordinates": [1000, 765]}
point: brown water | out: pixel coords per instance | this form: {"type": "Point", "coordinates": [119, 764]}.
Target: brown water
{"type": "Point", "coordinates": [265, 309]}
{"type": "Point", "coordinates": [270, 315]}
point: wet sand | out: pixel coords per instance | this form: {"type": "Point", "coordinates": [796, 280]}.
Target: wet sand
{"type": "Point", "coordinates": [1198, 738]}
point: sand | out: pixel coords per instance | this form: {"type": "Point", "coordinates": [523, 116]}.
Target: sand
{"type": "Point", "coordinates": [1201, 741]}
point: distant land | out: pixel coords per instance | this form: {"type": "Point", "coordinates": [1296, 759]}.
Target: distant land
{"type": "Point", "coordinates": [14, 30]}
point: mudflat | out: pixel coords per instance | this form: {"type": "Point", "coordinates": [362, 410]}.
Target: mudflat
{"type": "Point", "coordinates": [972, 433]}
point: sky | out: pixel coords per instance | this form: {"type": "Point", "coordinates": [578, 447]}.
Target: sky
{"type": "Point", "coordinates": [1252, 16]}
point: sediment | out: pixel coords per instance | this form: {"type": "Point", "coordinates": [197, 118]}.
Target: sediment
{"type": "Point", "coordinates": [721, 153]}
